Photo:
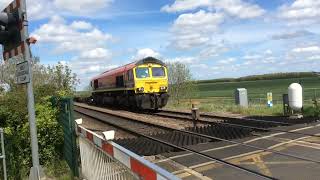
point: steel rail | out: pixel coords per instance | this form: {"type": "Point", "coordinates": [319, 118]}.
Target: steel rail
{"type": "Point", "coordinates": [184, 149]}
{"type": "Point", "coordinates": [235, 125]}
{"type": "Point", "coordinates": [217, 138]}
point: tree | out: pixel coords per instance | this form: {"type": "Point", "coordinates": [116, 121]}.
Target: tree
{"type": "Point", "coordinates": [181, 84]}
{"type": "Point", "coordinates": [47, 80]}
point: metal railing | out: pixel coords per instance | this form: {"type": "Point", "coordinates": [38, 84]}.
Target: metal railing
{"type": "Point", "coordinates": [104, 159]}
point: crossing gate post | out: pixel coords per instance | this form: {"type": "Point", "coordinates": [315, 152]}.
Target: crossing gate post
{"type": "Point", "coordinates": [102, 159]}
{"type": "Point", "coordinates": [66, 120]}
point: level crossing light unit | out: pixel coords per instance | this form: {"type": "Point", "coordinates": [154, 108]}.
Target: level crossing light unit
{"type": "Point", "coordinates": [10, 36]}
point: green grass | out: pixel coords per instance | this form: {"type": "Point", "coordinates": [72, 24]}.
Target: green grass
{"type": "Point", "coordinates": [225, 107]}
{"type": "Point", "coordinates": [219, 96]}
{"type": "Point", "coordinates": [58, 170]}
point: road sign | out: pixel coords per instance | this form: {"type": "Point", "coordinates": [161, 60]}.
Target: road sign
{"type": "Point", "coordinates": [23, 76]}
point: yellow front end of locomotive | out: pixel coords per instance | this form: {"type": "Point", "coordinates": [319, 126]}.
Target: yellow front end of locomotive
{"type": "Point", "coordinates": [151, 78]}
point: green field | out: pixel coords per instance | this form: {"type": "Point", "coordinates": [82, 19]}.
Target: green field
{"type": "Point", "coordinates": [219, 96]}
{"type": "Point", "coordinates": [259, 89]}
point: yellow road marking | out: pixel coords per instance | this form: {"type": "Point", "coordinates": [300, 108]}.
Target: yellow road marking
{"type": "Point", "coordinates": [261, 165]}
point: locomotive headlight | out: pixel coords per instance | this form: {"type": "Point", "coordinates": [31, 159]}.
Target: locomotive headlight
{"type": "Point", "coordinates": [140, 89]}
{"type": "Point", "coordinates": [163, 88]}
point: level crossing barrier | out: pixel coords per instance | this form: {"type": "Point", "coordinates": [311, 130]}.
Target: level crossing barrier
{"type": "Point", "coordinates": [104, 159]}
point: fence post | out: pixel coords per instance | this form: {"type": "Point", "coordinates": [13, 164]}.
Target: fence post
{"type": "Point", "coordinates": [3, 155]}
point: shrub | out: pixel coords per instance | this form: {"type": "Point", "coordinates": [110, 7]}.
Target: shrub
{"type": "Point", "coordinates": [17, 139]}
{"type": "Point", "coordinates": [311, 111]}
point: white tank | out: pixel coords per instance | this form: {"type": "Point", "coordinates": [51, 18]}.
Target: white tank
{"type": "Point", "coordinates": [295, 96]}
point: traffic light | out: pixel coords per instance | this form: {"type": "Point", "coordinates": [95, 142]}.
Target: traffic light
{"type": "Point", "coordinates": [10, 36]}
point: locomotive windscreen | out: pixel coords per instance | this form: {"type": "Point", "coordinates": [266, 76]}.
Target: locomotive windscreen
{"type": "Point", "coordinates": [158, 72]}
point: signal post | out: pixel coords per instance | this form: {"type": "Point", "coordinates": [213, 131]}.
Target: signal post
{"type": "Point", "coordinates": [14, 37]}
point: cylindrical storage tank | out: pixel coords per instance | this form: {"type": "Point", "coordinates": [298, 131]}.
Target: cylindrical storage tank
{"type": "Point", "coordinates": [295, 96]}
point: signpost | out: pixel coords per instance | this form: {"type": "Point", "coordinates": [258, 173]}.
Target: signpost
{"type": "Point", "coordinates": [14, 37]}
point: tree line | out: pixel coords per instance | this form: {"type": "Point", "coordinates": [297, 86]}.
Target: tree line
{"type": "Point", "coordinates": [272, 76]}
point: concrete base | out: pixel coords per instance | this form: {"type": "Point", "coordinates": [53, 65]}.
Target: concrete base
{"type": "Point", "coordinates": [296, 116]}
{"type": "Point", "coordinates": [36, 173]}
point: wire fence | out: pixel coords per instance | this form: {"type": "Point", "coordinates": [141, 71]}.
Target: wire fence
{"type": "Point", "coordinates": [310, 95]}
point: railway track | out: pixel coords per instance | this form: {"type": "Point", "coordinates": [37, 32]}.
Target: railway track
{"type": "Point", "coordinates": [170, 139]}
{"type": "Point", "coordinates": [256, 125]}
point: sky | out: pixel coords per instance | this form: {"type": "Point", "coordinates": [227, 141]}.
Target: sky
{"type": "Point", "coordinates": [214, 38]}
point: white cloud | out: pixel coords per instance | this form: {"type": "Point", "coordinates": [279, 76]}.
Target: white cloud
{"type": "Point", "coordinates": [81, 25]}
{"type": "Point", "coordinates": [86, 43]}
{"type": "Point", "coordinates": [68, 39]}
{"type": "Point", "coordinates": [82, 6]}
{"type": "Point", "coordinates": [98, 53]}
{"type": "Point", "coordinates": [146, 52]}
{"type": "Point", "coordinates": [301, 11]}
{"type": "Point", "coordinates": [40, 9]}
{"type": "Point", "coordinates": [237, 8]}
{"type": "Point", "coordinates": [200, 66]}
{"type": "Point", "coordinates": [308, 49]}
{"type": "Point", "coordinates": [194, 29]}
{"type": "Point", "coordinates": [91, 63]}
{"type": "Point", "coordinates": [213, 50]}
{"type": "Point", "coordinates": [227, 61]}
{"type": "Point", "coordinates": [315, 57]}
{"type": "Point", "coordinates": [200, 23]}
{"type": "Point", "coordinates": [291, 35]}
{"type": "Point", "coordinates": [268, 52]}
{"type": "Point", "coordinates": [184, 60]}
{"type": "Point", "coordinates": [184, 5]}
{"type": "Point", "coordinates": [252, 57]}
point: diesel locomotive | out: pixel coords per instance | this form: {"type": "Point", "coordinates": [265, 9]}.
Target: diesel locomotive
{"type": "Point", "coordinates": [139, 85]}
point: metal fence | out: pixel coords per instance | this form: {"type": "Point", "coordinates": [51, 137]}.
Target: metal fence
{"type": "Point", "coordinates": [102, 159]}
{"type": "Point", "coordinates": [66, 120]}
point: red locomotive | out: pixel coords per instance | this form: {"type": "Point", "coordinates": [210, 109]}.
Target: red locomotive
{"type": "Point", "coordinates": [142, 84]}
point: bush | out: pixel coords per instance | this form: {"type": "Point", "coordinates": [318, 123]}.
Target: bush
{"type": "Point", "coordinates": [48, 81]}
{"type": "Point", "coordinates": [17, 139]}
{"type": "Point", "coordinates": [311, 111]}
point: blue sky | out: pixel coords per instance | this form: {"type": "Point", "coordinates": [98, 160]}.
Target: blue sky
{"type": "Point", "coordinates": [215, 38]}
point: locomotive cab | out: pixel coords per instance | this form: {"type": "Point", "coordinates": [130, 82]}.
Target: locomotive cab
{"type": "Point", "coordinates": [151, 78]}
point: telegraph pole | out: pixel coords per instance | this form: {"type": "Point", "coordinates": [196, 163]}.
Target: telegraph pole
{"type": "Point", "coordinates": [36, 170]}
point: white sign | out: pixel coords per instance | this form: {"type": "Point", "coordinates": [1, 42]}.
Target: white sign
{"type": "Point", "coordinates": [23, 76]}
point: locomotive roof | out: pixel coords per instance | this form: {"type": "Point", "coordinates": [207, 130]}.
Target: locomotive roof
{"type": "Point", "coordinates": [130, 65]}
{"type": "Point", "coordinates": [149, 60]}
